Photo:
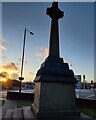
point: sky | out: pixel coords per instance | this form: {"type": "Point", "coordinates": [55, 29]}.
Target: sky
{"type": "Point", "coordinates": [76, 37]}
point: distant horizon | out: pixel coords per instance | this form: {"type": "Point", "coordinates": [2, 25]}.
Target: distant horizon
{"type": "Point", "coordinates": [34, 82]}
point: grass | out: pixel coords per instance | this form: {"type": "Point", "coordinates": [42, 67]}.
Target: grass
{"type": "Point", "coordinates": [88, 111]}
{"type": "Point", "coordinates": [2, 102]}
{"type": "Point", "coordinates": [21, 103]}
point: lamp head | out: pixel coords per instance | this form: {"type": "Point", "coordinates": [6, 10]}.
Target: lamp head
{"type": "Point", "coordinates": [31, 33]}
{"type": "Point", "coordinates": [21, 78]}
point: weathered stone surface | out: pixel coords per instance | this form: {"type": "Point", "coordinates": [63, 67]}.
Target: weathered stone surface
{"type": "Point", "coordinates": [18, 114]}
{"type": "Point", "coordinates": [9, 104]}
{"type": "Point", "coordinates": [8, 114]}
{"type": "Point", "coordinates": [27, 112]}
{"type": "Point", "coordinates": [55, 98]}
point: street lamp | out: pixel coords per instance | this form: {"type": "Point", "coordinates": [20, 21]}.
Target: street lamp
{"type": "Point", "coordinates": [22, 78]}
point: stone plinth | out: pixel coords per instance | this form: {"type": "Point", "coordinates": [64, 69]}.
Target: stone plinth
{"type": "Point", "coordinates": [53, 100]}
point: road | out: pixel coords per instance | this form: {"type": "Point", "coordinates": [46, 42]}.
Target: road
{"type": "Point", "coordinates": [86, 93]}
{"type": "Point", "coordinates": [80, 93]}
{"type": "Point", "coordinates": [3, 94]}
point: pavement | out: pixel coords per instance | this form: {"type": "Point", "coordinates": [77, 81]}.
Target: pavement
{"type": "Point", "coordinates": [86, 93]}
{"type": "Point", "coordinates": [9, 104]}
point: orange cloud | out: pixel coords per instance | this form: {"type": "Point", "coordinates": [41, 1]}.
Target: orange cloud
{"type": "Point", "coordinates": [46, 52]}
{"type": "Point", "coordinates": [8, 70]}
{"type": "Point", "coordinates": [9, 67]}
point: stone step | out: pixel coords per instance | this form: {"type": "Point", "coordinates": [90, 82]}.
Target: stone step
{"type": "Point", "coordinates": [18, 114]}
{"type": "Point", "coordinates": [27, 112]}
{"type": "Point", "coordinates": [8, 114]}
{"type": "Point", "coordinates": [9, 104]}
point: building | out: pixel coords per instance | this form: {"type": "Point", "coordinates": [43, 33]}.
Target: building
{"type": "Point", "coordinates": [79, 79]}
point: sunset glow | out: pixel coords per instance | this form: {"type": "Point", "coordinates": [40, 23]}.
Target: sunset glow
{"type": "Point", "coordinates": [4, 79]}
{"type": "Point", "coordinates": [8, 71]}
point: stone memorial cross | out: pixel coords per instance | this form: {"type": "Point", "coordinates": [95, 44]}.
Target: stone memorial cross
{"type": "Point", "coordinates": [55, 13]}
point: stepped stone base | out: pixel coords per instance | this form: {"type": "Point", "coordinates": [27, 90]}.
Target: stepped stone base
{"type": "Point", "coordinates": [55, 70]}
{"type": "Point", "coordinates": [24, 113]}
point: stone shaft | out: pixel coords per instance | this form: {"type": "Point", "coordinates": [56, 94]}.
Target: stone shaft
{"type": "Point", "coordinates": [54, 39]}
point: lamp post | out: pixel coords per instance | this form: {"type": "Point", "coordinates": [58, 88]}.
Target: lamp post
{"type": "Point", "coordinates": [22, 78]}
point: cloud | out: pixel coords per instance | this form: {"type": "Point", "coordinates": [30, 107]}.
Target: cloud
{"type": "Point", "coordinates": [2, 55]}
{"type": "Point", "coordinates": [9, 70]}
{"type": "Point", "coordinates": [4, 75]}
{"type": "Point", "coordinates": [46, 52]}
{"type": "Point", "coordinates": [2, 47]}
{"type": "Point", "coordinates": [2, 50]}
{"type": "Point", "coordinates": [9, 67]}
{"type": "Point", "coordinates": [2, 40]}
{"type": "Point", "coordinates": [42, 53]}
{"type": "Point", "coordinates": [39, 52]}
{"type": "Point", "coordinates": [30, 73]}
{"type": "Point", "coordinates": [29, 76]}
